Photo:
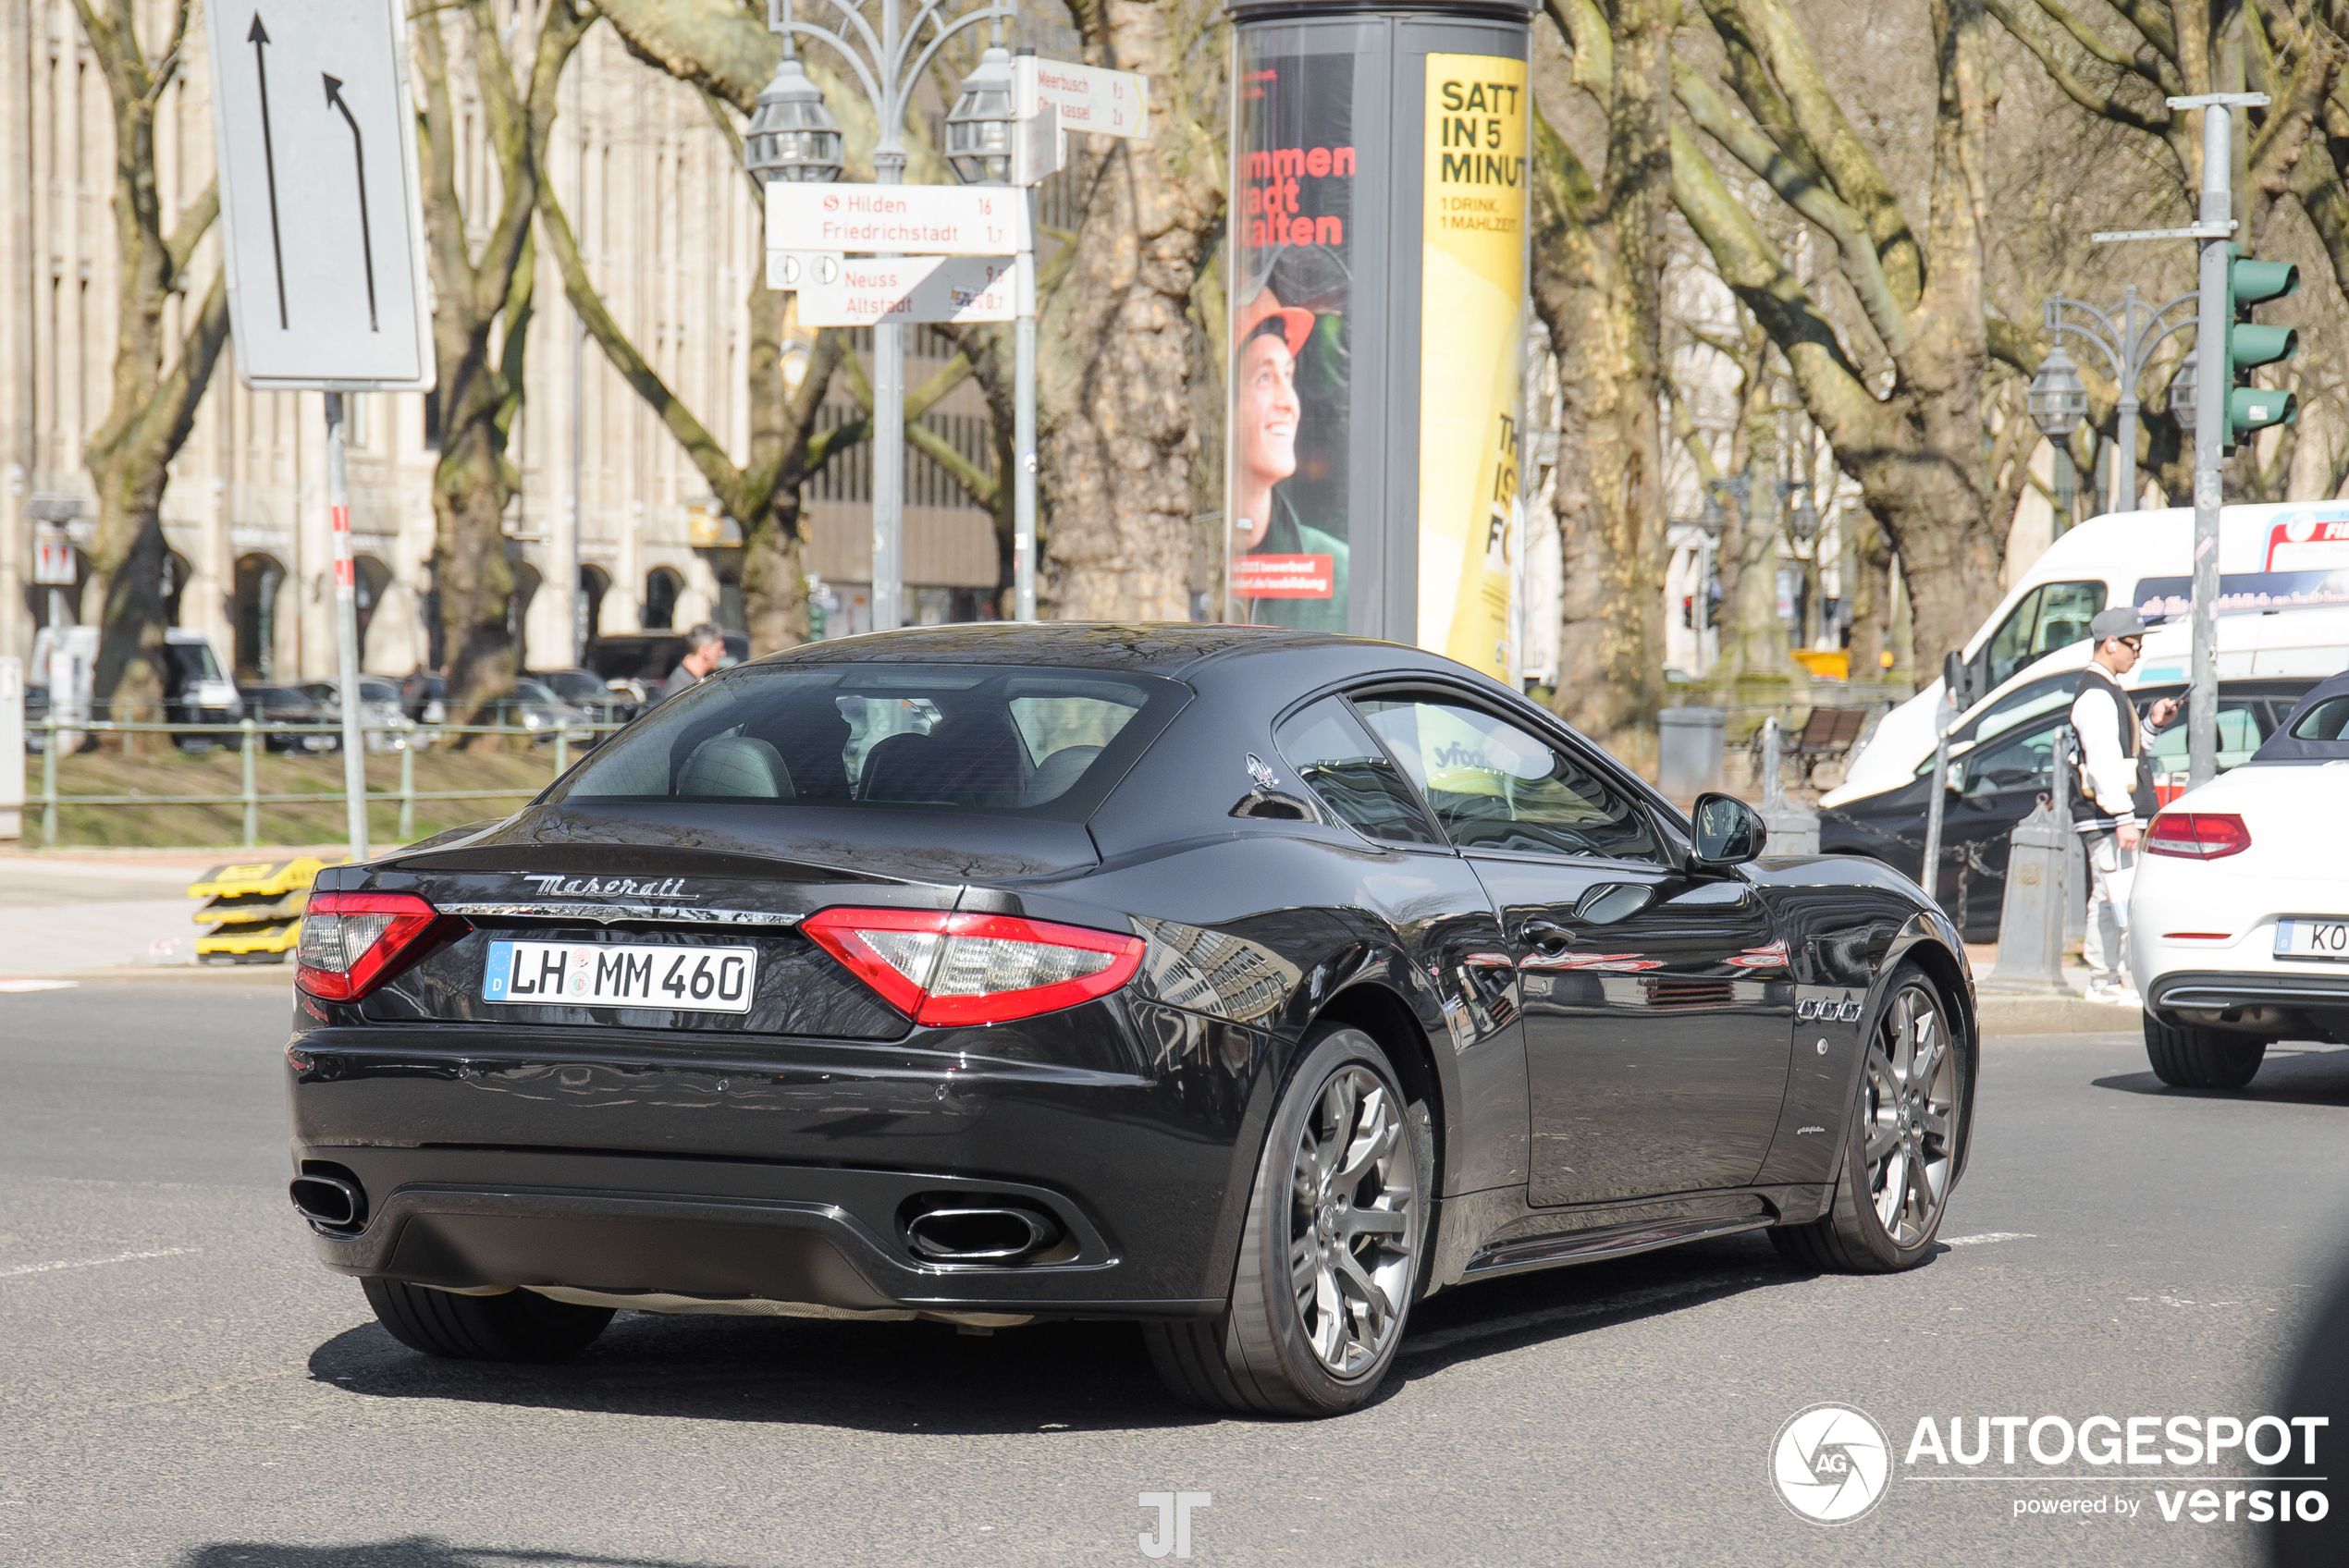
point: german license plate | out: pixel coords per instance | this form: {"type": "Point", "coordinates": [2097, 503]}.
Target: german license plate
{"type": "Point", "coordinates": [697, 979]}
{"type": "Point", "coordinates": [2303, 938]}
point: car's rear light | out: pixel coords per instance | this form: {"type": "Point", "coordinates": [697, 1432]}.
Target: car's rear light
{"type": "Point", "coordinates": [944, 969]}
{"type": "Point", "coordinates": [350, 941]}
{"type": "Point", "coordinates": [2197, 834]}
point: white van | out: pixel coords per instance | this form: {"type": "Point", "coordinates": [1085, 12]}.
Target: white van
{"type": "Point", "coordinates": [2310, 643]}
{"type": "Point", "coordinates": [2272, 557]}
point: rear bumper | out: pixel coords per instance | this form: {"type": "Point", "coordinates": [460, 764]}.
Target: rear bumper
{"type": "Point", "coordinates": [725, 1231]}
{"type": "Point", "coordinates": [778, 1169]}
{"type": "Point", "coordinates": [2273, 1003]}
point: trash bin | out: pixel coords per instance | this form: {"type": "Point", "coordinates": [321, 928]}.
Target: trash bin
{"type": "Point", "coordinates": [1689, 750]}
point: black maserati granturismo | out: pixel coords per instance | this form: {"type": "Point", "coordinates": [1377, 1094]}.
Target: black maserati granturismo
{"type": "Point", "coordinates": [1247, 984]}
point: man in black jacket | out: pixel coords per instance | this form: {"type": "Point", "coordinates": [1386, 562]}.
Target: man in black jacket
{"type": "Point", "coordinates": [2116, 795]}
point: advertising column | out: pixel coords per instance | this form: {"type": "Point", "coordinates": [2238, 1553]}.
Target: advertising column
{"type": "Point", "coordinates": [1378, 289]}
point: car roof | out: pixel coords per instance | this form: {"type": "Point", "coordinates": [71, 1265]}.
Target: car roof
{"type": "Point", "coordinates": [1166, 648]}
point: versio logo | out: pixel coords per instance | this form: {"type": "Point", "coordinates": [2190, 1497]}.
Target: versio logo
{"type": "Point", "coordinates": [1830, 1462]}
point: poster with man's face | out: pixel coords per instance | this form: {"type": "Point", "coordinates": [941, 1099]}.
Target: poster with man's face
{"type": "Point", "coordinates": [1294, 171]}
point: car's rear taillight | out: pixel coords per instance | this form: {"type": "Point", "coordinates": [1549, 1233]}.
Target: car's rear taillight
{"type": "Point", "coordinates": [945, 969]}
{"type": "Point", "coordinates": [350, 941]}
{"type": "Point", "coordinates": [2197, 834]}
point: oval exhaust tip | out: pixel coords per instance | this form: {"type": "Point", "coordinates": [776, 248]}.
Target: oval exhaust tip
{"type": "Point", "coordinates": [327, 1200]}
{"type": "Point", "coordinates": [980, 1234]}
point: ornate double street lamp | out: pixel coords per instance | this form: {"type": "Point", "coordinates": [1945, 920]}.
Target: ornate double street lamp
{"type": "Point", "coordinates": [889, 44]}
{"type": "Point", "coordinates": [2058, 402]}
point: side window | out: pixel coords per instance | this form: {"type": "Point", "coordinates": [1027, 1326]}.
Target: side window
{"type": "Point", "coordinates": [2239, 736]}
{"type": "Point", "coordinates": [2015, 761]}
{"type": "Point", "coordinates": [1495, 786]}
{"type": "Point", "coordinates": [1338, 760]}
{"type": "Point", "coordinates": [2010, 647]}
{"type": "Point", "coordinates": [2065, 610]}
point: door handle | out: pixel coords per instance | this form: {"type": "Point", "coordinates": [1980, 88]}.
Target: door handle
{"type": "Point", "coordinates": [1545, 936]}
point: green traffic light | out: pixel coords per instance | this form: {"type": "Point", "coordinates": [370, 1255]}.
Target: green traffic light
{"type": "Point", "coordinates": [2255, 408]}
{"type": "Point", "coordinates": [2250, 282]}
{"type": "Point", "coordinates": [2249, 345]}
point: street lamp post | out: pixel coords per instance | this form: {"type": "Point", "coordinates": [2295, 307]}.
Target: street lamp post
{"type": "Point", "coordinates": [888, 61]}
{"type": "Point", "coordinates": [2057, 400]}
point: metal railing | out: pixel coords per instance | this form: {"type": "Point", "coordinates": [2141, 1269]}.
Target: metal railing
{"type": "Point", "coordinates": [249, 735]}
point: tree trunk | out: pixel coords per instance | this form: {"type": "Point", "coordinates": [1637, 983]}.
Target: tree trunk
{"type": "Point", "coordinates": [153, 406]}
{"type": "Point", "coordinates": [1116, 439]}
{"type": "Point", "coordinates": [1597, 284]}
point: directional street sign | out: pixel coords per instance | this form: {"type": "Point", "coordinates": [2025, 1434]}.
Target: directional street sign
{"type": "Point", "coordinates": [802, 269]}
{"type": "Point", "coordinates": [320, 207]}
{"type": "Point", "coordinates": [1089, 98]}
{"type": "Point", "coordinates": [914, 289]}
{"type": "Point", "coordinates": [915, 220]}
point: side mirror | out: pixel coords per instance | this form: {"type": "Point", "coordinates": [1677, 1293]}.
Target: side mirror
{"type": "Point", "coordinates": [1728, 832]}
{"type": "Point", "coordinates": [1956, 681]}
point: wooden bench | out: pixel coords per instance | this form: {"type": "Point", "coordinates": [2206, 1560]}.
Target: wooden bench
{"type": "Point", "coordinates": [1828, 733]}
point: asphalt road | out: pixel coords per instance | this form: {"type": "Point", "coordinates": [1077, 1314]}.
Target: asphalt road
{"type": "Point", "coordinates": [180, 1386]}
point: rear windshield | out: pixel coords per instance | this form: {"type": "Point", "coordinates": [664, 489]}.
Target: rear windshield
{"type": "Point", "coordinates": [1017, 739]}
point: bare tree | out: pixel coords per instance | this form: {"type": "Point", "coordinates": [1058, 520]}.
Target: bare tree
{"type": "Point", "coordinates": [1899, 394]}
{"type": "Point", "coordinates": [1598, 269]}
{"type": "Point", "coordinates": [153, 404]}
{"type": "Point", "coordinates": [481, 318]}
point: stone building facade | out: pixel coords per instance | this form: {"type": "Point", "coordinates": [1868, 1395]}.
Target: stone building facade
{"type": "Point", "coordinates": [671, 230]}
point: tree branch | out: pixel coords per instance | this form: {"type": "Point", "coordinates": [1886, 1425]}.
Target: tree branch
{"type": "Point", "coordinates": [1806, 196]}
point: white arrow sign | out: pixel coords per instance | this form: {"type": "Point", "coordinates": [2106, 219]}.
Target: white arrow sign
{"type": "Point", "coordinates": [1089, 98]}
{"type": "Point", "coordinates": [915, 289]}
{"type": "Point", "coordinates": [320, 208]}
{"type": "Point", "coordinates": [917, 220]}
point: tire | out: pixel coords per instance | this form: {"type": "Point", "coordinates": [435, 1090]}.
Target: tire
{"type": "Point", "coordinates": [2202, 1058]}
{"type": "Point", "coordinates": [1904, 1145]}
{"type": "Point", "coordinates": [1285, 1345]}
{"type": "Point", "coordinates": [518, 1326]}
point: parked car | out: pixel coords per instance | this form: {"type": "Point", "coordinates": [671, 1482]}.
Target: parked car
{"type": "Point", "coordinates": [318, 730]}
{"type": "Point", "coordinates": [530, 705]}
{"type": "Point", "coordinates": [590, 692]}
{"type": "Point", "coordinates": [2239, 912]}
{"type": "Point", "coordinates": [1243, 983]}
{"type": "Point", "coordinates": [1995, 781]}
{"type": "Point", "coordinates": [379, 709]}
{"type": "Point", "coordinates": [637, 662]}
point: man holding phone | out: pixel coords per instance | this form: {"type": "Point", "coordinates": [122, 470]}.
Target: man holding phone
{"type": "Point", "coordinates": [2115, 793]}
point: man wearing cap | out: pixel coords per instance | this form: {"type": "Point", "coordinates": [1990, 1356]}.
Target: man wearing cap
{"type": "Point", "coordinates": [1264, 422]}
{"type": "Point", "coordinates": [2115, 795]}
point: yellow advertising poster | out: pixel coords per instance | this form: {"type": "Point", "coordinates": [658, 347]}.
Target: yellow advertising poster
{"type": "Point", "coordinates": [1472, 333]}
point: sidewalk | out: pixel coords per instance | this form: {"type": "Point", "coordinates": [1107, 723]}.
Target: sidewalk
{"type": "Point", "coordinates": [88, 913]}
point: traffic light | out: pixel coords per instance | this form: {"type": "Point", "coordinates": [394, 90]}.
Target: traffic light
{"type": "Point", "coordinates": [2249, 345]}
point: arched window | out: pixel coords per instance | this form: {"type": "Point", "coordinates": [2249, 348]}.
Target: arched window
{"type": "Point", "coordinates": [260, 578]}
{"type": "Point", "coordinates": [594, 584]}
{"type": "Point", "coordinates": [661, 588]}
{"type": "Point", "coordinates": [370, 577]}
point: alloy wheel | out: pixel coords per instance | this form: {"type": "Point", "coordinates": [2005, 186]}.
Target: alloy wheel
{"type": "Point", "coordinates": [1351, 1223]}
{"type": "Point", "coordinates": [1908, 1114]}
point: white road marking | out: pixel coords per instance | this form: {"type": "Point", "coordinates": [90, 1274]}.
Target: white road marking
{"type": "Point", "coordinates": [38, 985]}
{"type": "Point", "coordinates": [94, 1262]}
{"type": "Point", "coordinates": [1987, 1237]}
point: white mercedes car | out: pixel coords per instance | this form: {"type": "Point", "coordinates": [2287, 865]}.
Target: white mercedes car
{"type": "Point", "coordinates": [2239, 916]}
